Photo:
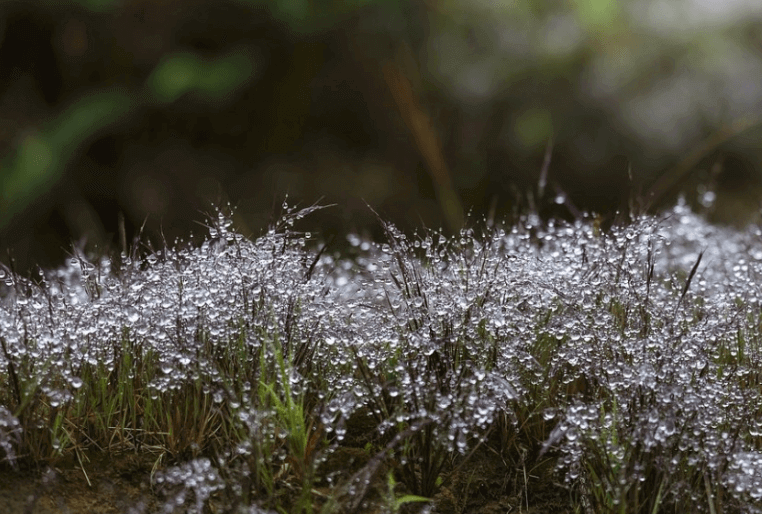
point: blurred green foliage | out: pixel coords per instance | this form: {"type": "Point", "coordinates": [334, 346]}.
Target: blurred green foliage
{"type": "Point", "coordinates": [533, 127]}
{"type": "Point", "coordinates": [310, 15]}
{"type": "Point", "coordinates": [182, 73]}
{"type": "Point", "coordinates": [597, 15]}
{"type": "Point", "coordinates": [160, 103]}
{"type": "Point", "coordinates": [41, 156]}
{"type": "Point", "coordinates": [38, 161]}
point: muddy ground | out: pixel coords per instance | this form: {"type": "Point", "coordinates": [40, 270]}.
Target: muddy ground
{"type": "Point", "coordinates": [117, 484]}
{"type": "Point", "coordinates": [122, 484]}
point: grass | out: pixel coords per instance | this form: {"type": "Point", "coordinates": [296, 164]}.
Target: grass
{"type": "Point", "coordinates": [616, 370]}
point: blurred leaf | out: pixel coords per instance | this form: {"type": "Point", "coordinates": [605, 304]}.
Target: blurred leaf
{"type": "Point", "coordinates": [533, 127]}
{"type": "Point", "coordinates": [184, 72]}
{"type": "Point", "coordinates": [174, 76]}
{"type": "Point", "coordinates": [85, 117]}
{"type": "Point", "coordinates": [40, 159]}
{"type": "Point", "coordinates": [225, 75]}
{"type": "Point", "coordinates": [33, 166]}
{"type": "Point", "coordinates": [597, 15]}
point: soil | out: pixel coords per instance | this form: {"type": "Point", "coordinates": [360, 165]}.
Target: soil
{"type": "Point", "coordinates": [119, 484]}
{"type": "Point", "coordinates": [484, 482]}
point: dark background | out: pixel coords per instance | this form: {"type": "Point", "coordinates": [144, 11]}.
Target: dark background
{"type": "Point", "coordinates": [423, 109]}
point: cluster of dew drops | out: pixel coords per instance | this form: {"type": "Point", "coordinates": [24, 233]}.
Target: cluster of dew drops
{"type": "Point", "coordinates": [663, 316]}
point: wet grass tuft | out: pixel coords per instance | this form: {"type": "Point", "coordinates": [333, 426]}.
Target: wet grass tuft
{"type": "Point", "coordinates": [543, 365]}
